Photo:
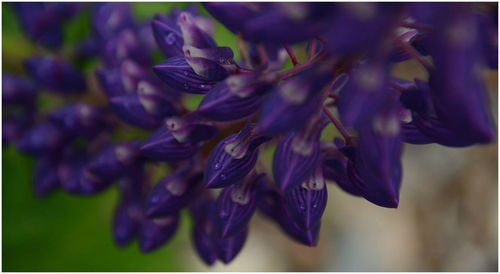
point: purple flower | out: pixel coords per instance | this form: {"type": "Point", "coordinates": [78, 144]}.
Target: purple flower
{"type": "Point", "coordinates": [114, 161]}
{"type": "Point", "coordinates": [126, 222]}
{"type": "Point", "coordinates": [296, 156]}
{"type": "Point", "coordinates": [361, 27]}
{"type": "Point", "coordinates": [292, 103]}
{"type": "Point", "coordinates": [156, 232]}
{"type": "Point", "coordinates": [306, 202]}
{"type": "Point", "coordinates": [109, 18]}
{"type": "Point", "coordinates": [42, 21]}
{"type": "Point", "coordinates": [376, 164]}
{"type": "Point", "coordinates": [228, 248]}
{"type": "Point", "coordinates": [168, 35]}
{"type": "Point", "coordinates": [178, 74]}
{"type": "Point", "coordinates": [363, 94]}
{"type": "Point", "coordinates": [162, 145]}
{"type": "Point", "coordinates": [130, 109]}
{"type": "Point", "coordinates": [458, 93]}
{"type": "Point", "coordinates": [192, 34]}
{"type": "Point", "coordinates": [55, 74]}
{"type": "Point", "coordinates": [172, 192]}
{"type": "Point", "coordinates": [274, 22]}
{"type": "Point", "coordinates": [203, 230]}
{"type": "Point", "coordinates": [233, 158]}
{"type": "Point", "coordinates": [17, 90]}
{"type": "Point", "coordinates": [235, 206]}
{"type": "Point", "coordinates": [304, 236]}
{"type": "Point", "coordinates": [40, 139]}
{"type": "Point", "coordinates": [234, 98]}
{"type": "Point", "coordinates": [79, 119]}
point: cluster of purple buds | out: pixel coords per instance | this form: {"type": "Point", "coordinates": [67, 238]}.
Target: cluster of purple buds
{"type": "Point", "coordinates": [248, 103]}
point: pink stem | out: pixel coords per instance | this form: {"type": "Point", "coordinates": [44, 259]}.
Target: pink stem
{"type": "Point", "coordinates": [290, 52]}
{"type": "Point", "coordinates": [337, 124]}
{"type": "Point", "coordinates": [312, 49]}
{"type": "Point", "coordinates": [414, 53]}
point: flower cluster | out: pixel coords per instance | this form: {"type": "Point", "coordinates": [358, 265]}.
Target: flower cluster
{"type": "Point", "coordinates": [248, 103]}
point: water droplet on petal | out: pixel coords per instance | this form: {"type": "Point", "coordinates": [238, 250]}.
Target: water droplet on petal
{"type": "Point", "coordinates": [302, 207]}
{"type": "Point", "coordinates": [186, 85]}
{"type": "Point", "coordinates": [315, 205]}
{"type": "Point", "coordinates": [222, 177]}
{"type": "Point", "coordinates": [185, 73]}
{"type": "Point", "coordinates": [217, 166]}
{"type": "Point", "coordinates": [170, 39]}
{"type": "Point", "coordinates": [223, 214]}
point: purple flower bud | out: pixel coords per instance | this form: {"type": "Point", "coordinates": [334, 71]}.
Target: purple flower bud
{"type": "Point", "coordinates": [232, 15]}
{"type": "Point", "coordinates": [114, 161]}
{"type": "Point", "coordinates": [360, 27]}
{"type": "Point", "coordinates": [458, 93]}
{"type": "Point", "coordinates": [293, 102]}
{"type": "Point", "coordinates": [109, 18]}
{"type": "Point", "coordinates": [274, 22]}
{"type": "Point", "coordinates": [154, 100]}
{"type": "Point", "coordinates": [41, 139]}
{"type": "Point", "coordinates": [235, 206]}
{"type": "Point", "coordinates": [129, 108]}
{"type": "Point", "coordinates": [376, 168]}
{"type": "Point", "coordinates": [55, 74]}
{"type": "Point", "coordinates": [364, 93]}
{"type": "Point", "coordinates": [42, 21]}
{"type": "Point", "coordinates": [304, 236]}
{"type": "Point", "coordinates": [488, 26]}
{"type": "Point", "coordinates": [235, 98]}
{"type": "Point", "coordinates": [233, 158]}
{"type": "Point", "coordinates": [424, 128]}
{"type": "Point", "coordinates": [228, 248]}
{"type": "Point", "coordinates": [111, 81]}
{"type": "Point", "coordinates": [192, 34]}
{"type": "Point", "coordinates": [203, 230]}
{"type": "Point", "coordinates": [306, 202]}
{"type": "Point", "coordinates": [14, 128]}
{"type": "Point", "coordinates": [132, 73]}
{"type": "Point", "coordinates": [295, 158]}
{"type": "Point", "coordinates": [289, 22]}
{"type": "Point", "coordinates": [126, 222]}
{"type": "Point", "coordinates": [83, 182]}
{"type": "Point", "coordinates": [79, 119]}
{"type": "Point", "coordinates": [207, 68]}
{"type": "Point", "coordinates": [156, 232]}
{"type": "Point", "coordinates": [168, 36]}
{"type": "Point", "coordinates": [220, 55]}
{"type": "Point", "coordinates": [17, 89]}
{"type": "Point", "coordinates": [45, 178]}
{"type": "Point", "coordinates": [188, 129]}
{"type": "Point", "coordinates": [336, 169]}
{"type": "Point", "coordinates": [123, 46]}
{"type": "Point", "coordinates": [161, 145]}
{"type": "Point", "coordinates": [203, 242]}
{"type": "Point", "coordinates": [178, 74]}
{"type": "Point", "coordinates": [134, 185]}
{"type": "Point", "coordinates": [412, 135]}
{"type": "Point", "coordinates": [172, 192]}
